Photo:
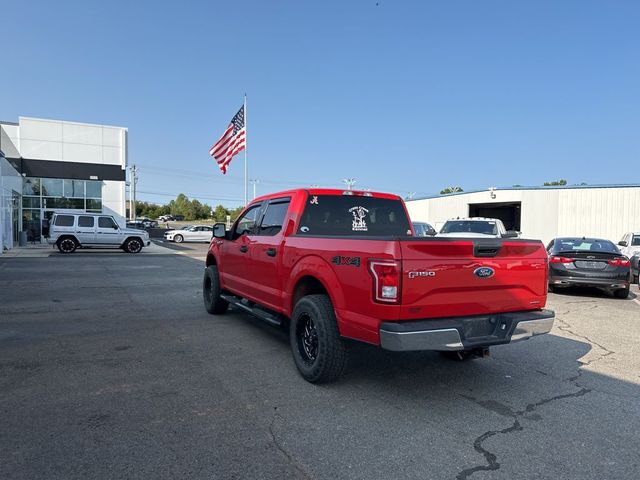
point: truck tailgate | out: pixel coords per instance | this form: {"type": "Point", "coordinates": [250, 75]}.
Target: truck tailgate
{"type": "Point", "coordinates": [445, 277]}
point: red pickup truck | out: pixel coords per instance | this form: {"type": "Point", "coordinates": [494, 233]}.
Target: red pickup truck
{"type": "Point", "coordinates": [333, 265]}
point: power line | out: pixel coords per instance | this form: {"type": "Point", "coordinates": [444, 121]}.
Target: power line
{"type": "Point", "coordinates": [191, 195]}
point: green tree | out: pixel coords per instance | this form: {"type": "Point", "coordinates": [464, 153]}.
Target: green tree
{"type": "Point", "coordinates": [221, 213]}
{"type": "Point", "coordinates": [555, 183]}
{"type": "Point", "coordinates": [444, 191]}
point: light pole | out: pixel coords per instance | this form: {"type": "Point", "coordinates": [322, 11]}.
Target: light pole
{"type": "Point", "coordinates": [349, 182]}
{"type": "Point", "coordinates": [254, 182]}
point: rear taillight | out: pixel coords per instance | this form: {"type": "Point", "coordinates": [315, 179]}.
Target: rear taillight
{"type": "Point", "coordinates": [620, 262]}
{"type": "Point", "coordinates": [555, 259]}
{"type": "Point", "coordinates": [386, 280]}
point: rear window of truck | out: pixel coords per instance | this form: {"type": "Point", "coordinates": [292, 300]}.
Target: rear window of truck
{"type": "Point", "coordinates": [353, 215]}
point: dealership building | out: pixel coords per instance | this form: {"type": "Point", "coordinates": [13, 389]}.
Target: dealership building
{"type": "Point", "coordinates": [604, 211]}
{"type": "Point", "coordinates": [54, 165]}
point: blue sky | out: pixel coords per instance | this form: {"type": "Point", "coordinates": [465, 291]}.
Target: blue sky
{"type": "Point", "coordinates": [404, 96]}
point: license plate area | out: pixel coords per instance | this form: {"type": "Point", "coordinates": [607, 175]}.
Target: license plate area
{"type": "Point", "coordinates": [591, 265]}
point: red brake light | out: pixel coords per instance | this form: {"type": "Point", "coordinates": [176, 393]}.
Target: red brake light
{"type": "Point", "coordinates": [555, 259]}
{"type": "Point", "coordinates": [386, 280]}
{"type": "Point", "coordinates": [619, 262]}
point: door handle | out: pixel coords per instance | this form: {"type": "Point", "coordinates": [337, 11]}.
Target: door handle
{"type": "Point", "coordinates": [244, 249]}
{"type": "Point", "coordinates": [271, 252]}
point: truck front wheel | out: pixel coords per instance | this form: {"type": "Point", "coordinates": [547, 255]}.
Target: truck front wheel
{"type": "Point", "coordinates": [318, 351]}
{"type": "Point", "coordinates": [211, 292]}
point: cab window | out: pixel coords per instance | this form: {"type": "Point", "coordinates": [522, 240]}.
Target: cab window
{"type": "Point", "coordinates": [106, 222]}
{"type": "Point", "coordinates": [247, 222]}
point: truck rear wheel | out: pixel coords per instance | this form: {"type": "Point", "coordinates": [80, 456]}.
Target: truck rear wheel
{"type": "Point", "coordinates": [214, 304]}
{"type": "Point", "coordinates": [318, 351]}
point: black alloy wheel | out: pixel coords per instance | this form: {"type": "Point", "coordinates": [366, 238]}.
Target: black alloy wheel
{"type": "Point", "coordinates": [67, 245]}
{"type": "Point", "coordinates": [307, 339]}
{"type": "Point", "coordinates": [133, 245]}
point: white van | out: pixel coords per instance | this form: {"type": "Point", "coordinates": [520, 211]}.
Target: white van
{"type": "Point", "coordinates": [69, 231]}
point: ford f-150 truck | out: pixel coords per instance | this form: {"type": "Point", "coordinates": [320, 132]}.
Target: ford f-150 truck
{"type": "Point", "coordinates": [334, 265]}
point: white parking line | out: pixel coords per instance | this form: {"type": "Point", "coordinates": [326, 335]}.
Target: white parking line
{"type": "Point", "coordinates": [637, 301]}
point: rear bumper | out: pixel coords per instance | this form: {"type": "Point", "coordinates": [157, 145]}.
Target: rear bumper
{"type": "Point", "coordinates": [609, 283]}
{"type": "Point", "coordinates": [462, 333]}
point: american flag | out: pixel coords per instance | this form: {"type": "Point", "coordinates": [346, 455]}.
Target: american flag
{"type": "Point", "coordinates": [232, 141]}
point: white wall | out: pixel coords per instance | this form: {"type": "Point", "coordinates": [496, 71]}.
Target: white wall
{"type": "Point", "coordinates": [41, 139]}
{"type": "Point", "coordinates": [547, 213]}
{"type": "Point", "coordinates": [113, 200]}
{"type": "Point", "coordinates": [10, 181]}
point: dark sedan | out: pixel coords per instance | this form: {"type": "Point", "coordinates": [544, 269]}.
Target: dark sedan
{"type": "Point", "coordinates": [588, 262]}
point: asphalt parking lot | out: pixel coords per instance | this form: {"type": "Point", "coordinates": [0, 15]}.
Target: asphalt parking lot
{"type": "Point", "coordinates": [111, 368]}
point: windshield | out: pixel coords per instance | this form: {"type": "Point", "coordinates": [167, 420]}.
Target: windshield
{"type": "Point", "coordinates": [353, 215]}
{"type": "Point", "coordinates": [470, 226]}
{"type": "Point", "coordinates": [584, 245]}
{"type": "Point", "coordinates": [636, 241]}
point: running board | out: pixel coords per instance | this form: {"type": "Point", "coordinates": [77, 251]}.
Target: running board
{"type": "Point", "coordinates": [250, 308]}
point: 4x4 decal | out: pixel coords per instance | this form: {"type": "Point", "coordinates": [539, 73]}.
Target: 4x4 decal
{"type": "Point", "coordinates": [340, 260]}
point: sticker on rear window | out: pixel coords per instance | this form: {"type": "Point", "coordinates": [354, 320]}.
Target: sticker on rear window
{"type": "Point", "coordinates": [314, 200]}
{"type": "Point", "coordinates": [359, 224]}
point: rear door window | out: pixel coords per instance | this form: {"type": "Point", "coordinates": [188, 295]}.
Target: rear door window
{"type": "Point", "coordinates": [84, 221]}
{"type": "Point", "coordinates": [64, 220]}
{"type": "Point", "coordinates": [353, 215]}
{"type": "Point", "coordinates": [273, 218]}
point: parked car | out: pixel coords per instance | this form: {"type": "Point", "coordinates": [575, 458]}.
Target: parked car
{"type": "Point", "coordinates": [588, 262]}
{"type": "Point", "coordinates": [335, 264]}
{"type": "Point", "coordinates": [135, 224]}
{"type": "Point", "coordinates": [635, 269]}
{"type": "Point", "coordinates": [70, 231]}
{"type": "Point", "coordinates": [475, 227]}
{"type": "Point", "coordinates": [165, 218]}
{"type": "Point", "coordinates": [629, 246]}
{"type": "Point", "coordinates": [193, 233]}
{"type": "Point", "coordinates": [423, 229]}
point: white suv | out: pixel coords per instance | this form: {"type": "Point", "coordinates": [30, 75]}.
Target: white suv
{"type": "Point", "coordinates": [68, 231]}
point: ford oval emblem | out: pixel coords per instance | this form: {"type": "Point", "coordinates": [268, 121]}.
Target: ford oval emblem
{"type": "Point", "coordinates": [484, 272]}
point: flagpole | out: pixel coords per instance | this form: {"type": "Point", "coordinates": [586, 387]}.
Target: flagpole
{"type": "Point", "coordinates": [246, 166]}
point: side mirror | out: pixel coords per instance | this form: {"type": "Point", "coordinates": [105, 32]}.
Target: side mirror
{"type": "Point", "coordinates": [115, 227]}
{"type": "Point", "coordinates": [431, 232]}
{"type": "Point", "coordinates": [622, 243]}
{"type": "Point", "coordinates": [219, 230]}
{"type": "Point", "coordinates": [510, 234]}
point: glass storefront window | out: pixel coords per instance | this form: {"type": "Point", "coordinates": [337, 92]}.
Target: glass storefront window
{"type": "Point", "coordinates": [31, 186]}
{"type": "Point", "coordinates": [94, 189]}
{"type": "Point", "coordinates": [61, 202]}
{"type": "Point", "coordinates": [74, 188]}
{"type": "Point", "coordinates": [94, 205]}
{"type": "Point", "coordinates": [52, 187]}
{"type": "Point", "coordinates": [31, 224]}
{"type": "Point", "coordinates": [30, 202]}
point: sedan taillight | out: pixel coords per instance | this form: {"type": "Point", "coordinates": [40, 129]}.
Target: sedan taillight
{"type": "Point", "coordinates": [386, 280]}
{"type": "Point", "coordinates": [619, 262]}
{"type": "Point", "coordinates": [555, 259]}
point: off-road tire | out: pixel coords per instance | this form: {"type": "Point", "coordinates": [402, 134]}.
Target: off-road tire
{"type": "Point", "coordinates": [133, 245]}
{"type": "Point", "coordinates": [178, 239]}
{"type": "Point", "coordinates": [330, 357]}
{"type": "Point", "coordinates": [67, 245]}
{"type": "Point", "coordinates": [214, 304]}
{"type": "Point", "coordinates": [621, 293]}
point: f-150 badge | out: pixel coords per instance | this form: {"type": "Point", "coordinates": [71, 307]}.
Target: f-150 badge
{"type": "Point", "coordinates": [421, 273]}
